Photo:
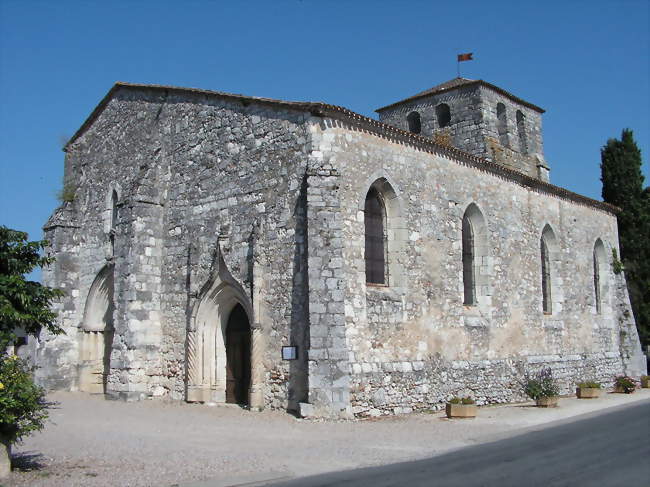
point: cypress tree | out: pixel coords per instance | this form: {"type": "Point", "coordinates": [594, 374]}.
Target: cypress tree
{"type": "Point", "coordinates": [623, 186]}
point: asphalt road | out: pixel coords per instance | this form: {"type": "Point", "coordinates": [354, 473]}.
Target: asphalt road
{"type": "Point", "coordinates": [611, 449]}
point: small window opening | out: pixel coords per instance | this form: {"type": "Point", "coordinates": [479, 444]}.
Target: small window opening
{"type": "Point", "coordinates": [113, 210]}
{"type": "Point", "coordinates": [469, 288]}
{"type": "Point", "coordinates": [600, 278]}
{"type": "Point", "coordinates": [546, 277]}
{"type": "Point", "coordinates": [414, 123]}
{"type": "Point", "coordinates": [596, 282]}
{"type": "Point", "coordinates": [502, 124]}
{"type": "Point", "coordinates": [443, 114]}
{"type": "Point", "coordinates": [374, 218]}
{"type": "Point", "coordinates": [521, 131]}
{"type": "Point", "coordinates": [113, 220]}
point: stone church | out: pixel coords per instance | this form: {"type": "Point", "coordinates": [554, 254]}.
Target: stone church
{"type": "Point", "coordinates": [219, 248]}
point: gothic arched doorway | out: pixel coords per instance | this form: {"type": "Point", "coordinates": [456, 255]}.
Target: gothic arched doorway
{"type": "Point", "coordinates": [219, 346]}
{"type": "Point", "coordinates": [238, 356]}
{"type": "Point", "coordinates": [96, 341]}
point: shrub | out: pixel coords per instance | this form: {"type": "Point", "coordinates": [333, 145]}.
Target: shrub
{"type": "Point", "coordinates": [627, 384]}
{"type": "Point", "coordinates": [541, 384]}
{"type": "Point", "coordinates": [67, 194]}
{"type": "Point", "coordinates": [590, 384]}
{"type": "Point", "coordinates": [23, 408]}
{"type": "Point", "coordinates": [463, 400]}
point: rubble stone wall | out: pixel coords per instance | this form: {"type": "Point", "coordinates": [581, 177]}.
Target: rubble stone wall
{"type": "Point", "coordinates": [412, 343]}
{"type": "Point", "coordinates": [197, 177]}
{"type": "Point", "coordinates": [473, 127]}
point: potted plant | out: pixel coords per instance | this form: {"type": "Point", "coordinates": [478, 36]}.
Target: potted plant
{"type": "Point", "coordinates": [461, 408]}
{"type": "Point", "coordinates": [589, 390]}
{"type": "Point", "coordinates": [624, 384]}
{"type": "Point", "coordinates": [644, 381]}
{"type": "Point", "coordinates": [542, 388]}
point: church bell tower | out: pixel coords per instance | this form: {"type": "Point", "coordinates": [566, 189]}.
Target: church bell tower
{"type": "Point", "coordinates": [479, 118]}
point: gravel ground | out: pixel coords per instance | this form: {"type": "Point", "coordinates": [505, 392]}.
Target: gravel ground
{"type": "Point", "coordinates": [94, 442]}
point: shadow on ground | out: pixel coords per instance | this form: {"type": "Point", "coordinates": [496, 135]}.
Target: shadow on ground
{"type": "Point", "coordinates": [27, 461]}
{"type": "Point", "coordinates": [609, 449]}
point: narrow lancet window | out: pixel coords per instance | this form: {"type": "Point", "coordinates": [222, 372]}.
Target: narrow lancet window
{"type": "Point", "coordinates": [374, 218]}
{"type": "Point", "coordinates": [469, 277]}
{"type": "Point", "coordinates": [596, 282]}
{"type": "Point", "coordinates": [113, 210]}
{"type": "Point", "coordinates": [600, 278]}
{"type": "Point", "coordinates": [546, 277]}
{"type": "Point", "coordinates": [111, 235]}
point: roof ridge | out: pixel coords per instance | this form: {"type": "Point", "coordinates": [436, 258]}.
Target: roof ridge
{"type": "Point", "coordinates": [454, 84]}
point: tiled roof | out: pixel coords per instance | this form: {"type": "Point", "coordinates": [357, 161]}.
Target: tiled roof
{"type": "Point", "coordinates": [370, 125]}
{"type": "Point", "coordinates": [458, 82]}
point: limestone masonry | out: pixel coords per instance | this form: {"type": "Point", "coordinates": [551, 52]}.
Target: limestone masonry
{"type": "Point", "coordinates": [223, 248]}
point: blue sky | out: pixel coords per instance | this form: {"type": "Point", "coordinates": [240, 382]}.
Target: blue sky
{"type": "Point", "coordinates": [585, 62]}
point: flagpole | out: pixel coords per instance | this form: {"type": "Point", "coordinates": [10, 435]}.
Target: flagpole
{"type": "Point", "coordinates": [463, 57]}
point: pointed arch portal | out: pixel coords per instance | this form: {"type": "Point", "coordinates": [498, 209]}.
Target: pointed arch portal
{"type": "Point", "coordinates": [219, 347]}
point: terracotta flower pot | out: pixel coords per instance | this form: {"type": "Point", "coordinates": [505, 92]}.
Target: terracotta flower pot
{"type": "Point", "coordinates": [621, 390]}
{"type": "Point", "coordinates": [461, 410]}
{"type": "Point", "coordinates": [547, 402]}
{"type": "Point", "coordinates": [588, 392]}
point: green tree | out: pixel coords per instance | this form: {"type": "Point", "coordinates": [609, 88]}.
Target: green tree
{"type": "Point", "coordinates": [623, 186]}
{"type": "Point", "coordinates": [24, 304]}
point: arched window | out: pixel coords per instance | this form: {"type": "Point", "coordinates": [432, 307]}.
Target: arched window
{"type": "Point", "coordinates": [413, 120]}
{"type": "Point", "coordinates": [546, 277]}
{"type": "Point", "coordinates": [548, 252]}
{"type": "Point", "coordinates": [443, 114]}
{"type": "Point", "coordinates": [113, 209]}
{"type": "Point", "coordinates": [599, 273]}
{"type": "Point", "coordinates": [476, 270]}
{"type": "Point", "coordinates": [502, 124]}
{"type": "Point", "coordinates": [469, 282]}
{"type": "Point", "coordinates": [521, 131]}
{"type": "Point", "coordinates": [375, 219]}
{"type": "Point", "coordinates": [111, 234]}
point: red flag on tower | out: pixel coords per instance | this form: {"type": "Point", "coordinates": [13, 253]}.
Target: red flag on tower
{"type": "Point", "coordinates": [465, 57]}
